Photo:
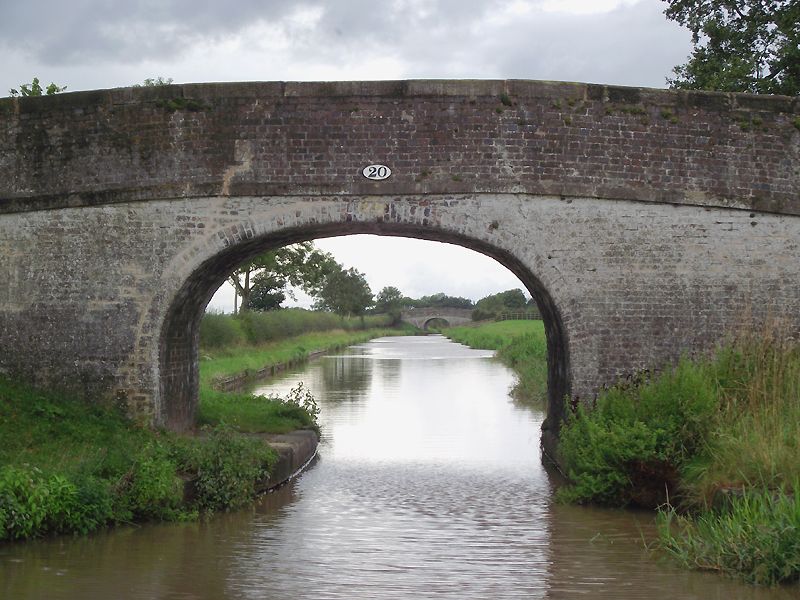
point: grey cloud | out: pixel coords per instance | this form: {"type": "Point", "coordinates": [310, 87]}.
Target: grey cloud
{"type": "Point", "coordinates": [57, 32]}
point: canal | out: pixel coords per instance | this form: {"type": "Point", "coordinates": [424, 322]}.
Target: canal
{"type": "Point", "coordinates": [428, 484]}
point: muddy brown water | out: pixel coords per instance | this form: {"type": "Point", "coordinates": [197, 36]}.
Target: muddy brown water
{"type": "Point", "coordinates": [428, 485]}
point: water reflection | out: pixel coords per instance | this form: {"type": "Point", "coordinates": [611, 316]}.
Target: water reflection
{"type": "Point", "coordinates": [429, 484]}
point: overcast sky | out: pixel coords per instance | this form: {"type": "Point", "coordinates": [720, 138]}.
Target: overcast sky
{"type": "Point", "coordinates": [91, 44]}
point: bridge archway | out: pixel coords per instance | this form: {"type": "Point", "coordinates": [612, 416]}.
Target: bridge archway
{"type": "Point", "coordinates": [178, 367]}
{"type": "Point", "coordinates": [427, 324]}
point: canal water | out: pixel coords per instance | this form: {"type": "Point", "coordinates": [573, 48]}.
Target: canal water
{"type": "Point", "coordinates": [428, 484]}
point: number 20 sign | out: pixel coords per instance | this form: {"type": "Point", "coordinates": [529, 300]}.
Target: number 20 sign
{"type": "Point", "coordinates": [376, 172]}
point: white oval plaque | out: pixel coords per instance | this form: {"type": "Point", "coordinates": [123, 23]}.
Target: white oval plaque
{"type": "Point", "coordinates": [376, 172]}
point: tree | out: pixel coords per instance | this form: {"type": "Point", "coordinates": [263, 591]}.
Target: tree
{"type": "Point", "coordinates": [300, 265]}
{"type": "Point", "coordinates": [35, 89]}
{"type": "Point", "coordinates": [345, 292]}
{"type": "Point", "coordinates": [493, 305]}
{"type": "Point", "coordinates": [441, 299]}
{"type": "Point", "coordinates": [740, 45]}
{"type": "Point", "coordinates": [267, 292]}
{"type": "Point", "coordinates": [389, 301]}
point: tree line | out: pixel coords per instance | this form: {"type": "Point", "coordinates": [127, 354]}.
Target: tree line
{"type": "Point", "coordinates": [265, 282]}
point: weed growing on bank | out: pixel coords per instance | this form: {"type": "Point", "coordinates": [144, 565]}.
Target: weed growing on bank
{"type": "Point", "coordinates": [756, 537]}
{"type": "Point", "coordinates": [255, 414]}
{"type": "Point", "coordinates": [67, 466]}
{"type": "Point", "coordinates": [520, 344]}
{"type": "Point", "coordinates": [719, 439]}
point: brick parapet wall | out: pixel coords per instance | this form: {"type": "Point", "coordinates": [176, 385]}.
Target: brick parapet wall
{"type": "Point", "coordinates": [544, 138]}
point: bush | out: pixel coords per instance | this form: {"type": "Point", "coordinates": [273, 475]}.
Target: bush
{"type": "Point", "coordinates": [229, 467]}
{"type": "Point", "coordinates": [151, 488]}
{"type": "Point", "coordinates": [217, 330]}
{"type": "Point", "coordinates": [33, 504]}
{"type": "Point", "coordinates": [631, 446]}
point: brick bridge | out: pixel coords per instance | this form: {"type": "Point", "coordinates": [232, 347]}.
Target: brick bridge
{"type": "Point", "coordinates": [421, 317]}
{"type": "Point", "coordinates": [645, 222]}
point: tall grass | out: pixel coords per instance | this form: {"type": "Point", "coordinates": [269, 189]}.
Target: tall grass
{"type": "Point", "coordinates": [755, 441]}
{"type": "Point", "coordinates": [520, 344]}
{"type": "Point", "coordinates": [220, 330]}
{"type": "Point", "coordinates": [723, 427]}
{"type": "Point", "coordinates": [756, 538]}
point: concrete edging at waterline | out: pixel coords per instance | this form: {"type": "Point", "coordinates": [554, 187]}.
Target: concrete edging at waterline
{"type": "Point", "coordinates": [295, 449]}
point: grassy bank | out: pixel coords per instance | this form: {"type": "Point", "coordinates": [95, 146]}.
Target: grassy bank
{"type": "Point", "coordinates": [520, 344]}
{"type": "Point", "coordinates": [719, 439]}
{"type": "Point", "coordinates": [257, 328]}
{"type": "Point", "coordinates": [242, 346]}
{"type": "Point", "coordinates": [250, 413]}
{"type": "Point", "coordinates": [714, 444]}
{"type": "Point", "coordinates": [67, 466]}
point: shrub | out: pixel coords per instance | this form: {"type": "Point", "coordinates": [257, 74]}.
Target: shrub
{"type": "Point", "coordinates": [217, 330]}
{"type": "Point", "coordinates": [32, 504]}
{"type": "Point", "coordinates": [151, 489]}
{"type": "Point", "coordinates": [631, 446]}
{"type": "Point", "coordinates": [228, 467]}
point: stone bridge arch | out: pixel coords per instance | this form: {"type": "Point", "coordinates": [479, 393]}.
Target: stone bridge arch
{"type": "Point", "coordinates": [245, 227]}
{"type": "Point", "coordinates": [421, 317]}
{"type": "Point", "coordinates": [647, 222]}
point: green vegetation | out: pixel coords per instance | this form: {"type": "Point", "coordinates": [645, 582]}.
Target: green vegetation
{"type": "Point", "coordinates": [725, 427]}
{"type": "Point", "coordinates": [255, 328]}
{"type": "Point", "coordinates": [740, 45]}
{"type": "Point", "coordinates": [520, 344]}
{"type": "Point", "coordinates": [35, 89]}
{"type": "Point", "coordinates": [67, 466]}
{"type": "Point", "coordinates": [757, 537]}
{"type": "Point", "coordinates": [503, 303]}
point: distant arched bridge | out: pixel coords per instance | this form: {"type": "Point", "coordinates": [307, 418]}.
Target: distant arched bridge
{"type": "Point", "coordinates": [421, 317]}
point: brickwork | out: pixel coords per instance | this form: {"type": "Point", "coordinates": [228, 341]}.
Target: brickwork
{"type": "Point", "coordinates": [647, 223]}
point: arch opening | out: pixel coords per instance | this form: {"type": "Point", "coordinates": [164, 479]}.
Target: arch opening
{"type": "Point", "coordinates": [435, 323]}
{"type": "Point", "coordinates": [178, 371]}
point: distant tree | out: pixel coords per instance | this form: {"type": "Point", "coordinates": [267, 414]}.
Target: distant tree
{"type": "Point", "coordinates": [389, 301]}
{"type": "Point", "coordinates": [442, 300]}
{"type": "Point", "coordinates": [495, 304]}
{"type": "Point", "coordinates": [35, 89]}
{"type": "Point", "coordinates": [740, 45]}
{"type": "Point", "coordinates": [345, 292]}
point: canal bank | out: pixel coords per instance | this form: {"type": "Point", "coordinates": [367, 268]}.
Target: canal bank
{"type": "Point", "coordinates": [710, 443]}
{"type": "Point", "coordinates": [429, 484]}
